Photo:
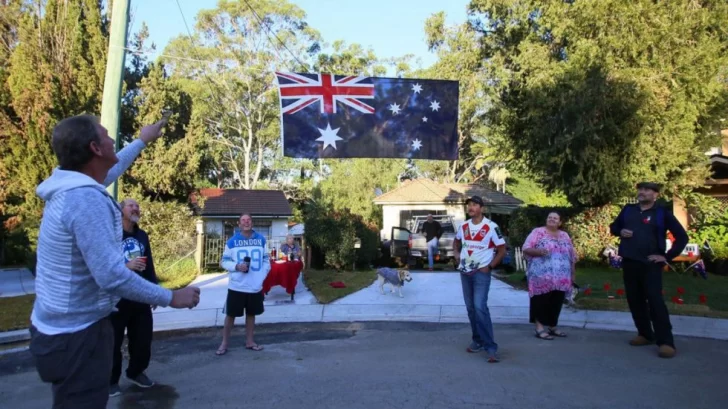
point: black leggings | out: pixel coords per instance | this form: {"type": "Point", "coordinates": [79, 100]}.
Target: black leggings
{"type": "Point", "coordinates": [546, 308]}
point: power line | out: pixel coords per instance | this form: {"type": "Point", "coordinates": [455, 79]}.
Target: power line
{"type": "Point", "coordinates": [269, 31]}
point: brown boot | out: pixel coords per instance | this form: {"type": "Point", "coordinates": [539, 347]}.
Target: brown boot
{"type": "Point", "coordinates": [666, 351]}
{"type": "Point", "coordinates": [640, 341]}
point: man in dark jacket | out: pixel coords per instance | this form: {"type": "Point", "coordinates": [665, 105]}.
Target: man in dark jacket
{"type": "Point", "coordinates": [134, 317]}
{"type": "Point", "coordinates": [642, 229]}
{"type": "Point", "coordinates": [433, 232]}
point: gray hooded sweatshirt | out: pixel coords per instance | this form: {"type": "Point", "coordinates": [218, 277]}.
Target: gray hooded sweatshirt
{"type": "Point", "coordinates": [80, 275]}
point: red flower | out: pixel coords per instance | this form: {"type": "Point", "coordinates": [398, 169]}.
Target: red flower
{"type": "Point", "coordinates": [587, 291]}
{"type": "Point", "coordinates": [607, 286]}
{"type": "Point", "coordinates": [680, 290]}
{"type": "Point", "coordinates": [680, 301]}
{"type": "Point", "coordinates": [675, 299]}
{"type": "Point", "coordinates": [703, 299]}
{"type": "Point", "coordinates": [620, 292]}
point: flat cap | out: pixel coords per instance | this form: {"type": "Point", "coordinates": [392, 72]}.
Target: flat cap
{"type": "Point", "coordinates": [650, 185]}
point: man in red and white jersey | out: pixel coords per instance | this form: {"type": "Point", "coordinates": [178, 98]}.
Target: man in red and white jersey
{"type": "Point", "coordinates": [479, 248]}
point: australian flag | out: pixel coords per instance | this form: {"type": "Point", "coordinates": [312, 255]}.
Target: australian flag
{"type": "Point", "coordinates": [338, 116]}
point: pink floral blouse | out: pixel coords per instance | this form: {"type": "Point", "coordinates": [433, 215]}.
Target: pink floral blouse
{"type": "Point", "coordinates": [551, 272]}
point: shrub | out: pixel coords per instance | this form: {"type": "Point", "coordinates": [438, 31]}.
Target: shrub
{"type": "Point", "coordinates": [588, 227]}
{"type": "Point", "coordinates": [709, 220]}
{"type": "Point", "coordinates": [171, 229]}
{"type": "Point", "coordinates": [334, 234]}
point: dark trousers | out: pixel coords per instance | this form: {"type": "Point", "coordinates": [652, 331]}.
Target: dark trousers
{"type": "Point", "coordinates": [76, 365]}
{"type": "Point", "coordinates": [546, 308]}
{"type": "Point", "coordinates": [137, 321]}
{"type": "Point", "coordinates": [643, 284]}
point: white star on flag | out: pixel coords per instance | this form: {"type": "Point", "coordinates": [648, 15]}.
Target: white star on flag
{"type": "Point", "coordinates": [435, 106]}
{"type": "Point", "coordinates": [329, 136]}
{"type": "Point", "coordinates": [394, 108]}
{"type": "Point", "coordinates": [416, 145]}
{"type": "Point", "coordinates": [424, 119]}
{"type": "Point", "coordinates": [416, 88]}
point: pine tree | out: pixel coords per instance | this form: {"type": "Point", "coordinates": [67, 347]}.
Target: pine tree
{"type": "Point", "coordinates": [55, 71]}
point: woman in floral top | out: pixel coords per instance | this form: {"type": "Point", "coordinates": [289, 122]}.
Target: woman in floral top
{"type": "Point", "coordinates": [551, 258]}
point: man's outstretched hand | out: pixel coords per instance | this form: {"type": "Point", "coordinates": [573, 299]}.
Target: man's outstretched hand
{"type": "Point", "coordinates": [151, 133]}
{"type": "Point", "coordinates": [187, 297]}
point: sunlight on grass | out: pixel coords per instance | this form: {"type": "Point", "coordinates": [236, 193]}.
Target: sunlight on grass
{"type": "Point", "coordinates": [318, 281]}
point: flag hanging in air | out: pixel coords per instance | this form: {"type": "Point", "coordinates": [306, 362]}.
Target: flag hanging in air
{"type": "Point", "coordinates": [338, 116]}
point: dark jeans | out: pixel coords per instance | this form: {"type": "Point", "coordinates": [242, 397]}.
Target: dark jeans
{"type": "Point", "coordinates": [643, 284]}
{"type": "Point", "coordinates": [475, 293]}
{"type": "Point", "coordinates": [546, 308]}
{"type": "Point", "coordinates": [137, 321]}
{"type": "Point", "coordinates": [77, 365]}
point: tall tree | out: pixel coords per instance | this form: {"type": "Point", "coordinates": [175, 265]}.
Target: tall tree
{"type": "Point", "coordinates": [595, 95]}
{"type": "Point", "coordinates": [458, 55]}
{"type": "Point", "coordinates": [10, 13]}
{"type": "Point", "coordinates": [56, 70]}
{"type": "Point", "coordinates": [230, 63]}
{"type": "Point", "coordinates": [170, 167]}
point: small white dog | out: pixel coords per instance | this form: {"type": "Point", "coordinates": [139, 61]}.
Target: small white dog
{"type": "Point", "coordinates": [395, 278]}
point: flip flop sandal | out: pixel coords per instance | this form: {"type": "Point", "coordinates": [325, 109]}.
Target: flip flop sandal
{"type": "Point", "coordinates": [254, 348]}
{"type": "Point", "coordinates": [221, 352]}
{"type": "Point", "coordinates": [492, 359]}
{"type": "Point", "coordinates": [544, 334]}
{"type": "Point", "coordinates": [557, 333]}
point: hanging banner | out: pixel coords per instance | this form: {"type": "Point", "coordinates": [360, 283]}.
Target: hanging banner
{"type": "Point", "coordinates": [337, 116]}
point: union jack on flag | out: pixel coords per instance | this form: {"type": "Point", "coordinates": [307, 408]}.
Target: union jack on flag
{"type": "Point", "coordinates": [326, 89]}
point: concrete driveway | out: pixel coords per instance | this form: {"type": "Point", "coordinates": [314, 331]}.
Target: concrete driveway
{"type": "Point", "coordinates": [407, 365]}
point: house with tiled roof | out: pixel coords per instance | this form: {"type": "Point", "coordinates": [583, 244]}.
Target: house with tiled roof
{"type": "Point", "coordinates": [218, 211]}
{"type": "Point", "coordinates": [420, 197]}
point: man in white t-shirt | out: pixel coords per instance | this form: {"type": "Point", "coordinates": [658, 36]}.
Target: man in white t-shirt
{"type": "Point", "coordinates": [479, 247]}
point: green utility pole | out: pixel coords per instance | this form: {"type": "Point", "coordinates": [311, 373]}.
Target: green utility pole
{"type": "Point", "coordinates": [111, 102]}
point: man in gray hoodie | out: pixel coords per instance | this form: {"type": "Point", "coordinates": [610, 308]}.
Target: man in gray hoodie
{"type": "Point", "coordinates": [80, 274]}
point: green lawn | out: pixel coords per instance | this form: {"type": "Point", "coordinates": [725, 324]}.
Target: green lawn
{"type": "Point", "coordinates": [175, 276]}
{"type": "Point", "coordinates": [318, 282]}
{"type": "Point", "coordinates": [715, 288]}
{"type": "Point", "coordinates": [15, 312]}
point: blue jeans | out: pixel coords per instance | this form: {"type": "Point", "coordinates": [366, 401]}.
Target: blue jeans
{"type": "Point", "coordinates": [475, 293]}
{"type": "Point", "coordinates": [431, 251]}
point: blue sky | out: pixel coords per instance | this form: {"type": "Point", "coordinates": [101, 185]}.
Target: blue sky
{"type": "Point", "coordinates": [390, 27]}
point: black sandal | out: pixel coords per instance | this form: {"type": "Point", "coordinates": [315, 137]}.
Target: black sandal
{"type": "Point", "coordinates": [556, 333]}
{"type": "Point", "coordinates": [544, 334]}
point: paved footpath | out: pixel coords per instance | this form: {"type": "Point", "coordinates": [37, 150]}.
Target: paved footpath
{"type": "Point", "coordinates": [430, 297]}
{"type": "Point", "coordinates": [407, 365]}
{"type": "Point", "coordinates": [15, 282]}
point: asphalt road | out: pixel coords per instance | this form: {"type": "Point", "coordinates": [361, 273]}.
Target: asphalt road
{"type": "Point", "coordinates": [407, 365]}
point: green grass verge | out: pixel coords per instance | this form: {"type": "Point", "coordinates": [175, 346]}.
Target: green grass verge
{"type": "Point", "coordinates": [15, 312]}
{"type": "Point", "coordinates": [715, 288]}
{"type": "Point", "coordinates": [175, 276]}
{"type": "Point", "coordinates": [318, 282]}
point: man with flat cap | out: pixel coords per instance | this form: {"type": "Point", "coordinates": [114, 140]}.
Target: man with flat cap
{"type": "Point", "coordinates": [642, 228]}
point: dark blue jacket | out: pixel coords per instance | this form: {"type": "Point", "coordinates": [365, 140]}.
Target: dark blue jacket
{"type": "Point", "coordinates": [666, 221]}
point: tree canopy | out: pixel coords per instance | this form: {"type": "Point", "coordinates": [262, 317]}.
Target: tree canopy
{"type": "Point", "coordinates": [594, 96]}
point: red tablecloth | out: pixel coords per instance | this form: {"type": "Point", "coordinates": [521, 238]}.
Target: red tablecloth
{"type": "Point", "coordinates": [284, 274]}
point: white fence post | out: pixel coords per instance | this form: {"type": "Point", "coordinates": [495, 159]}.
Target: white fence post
{"type": "Point", "coordinates": [520, 261]}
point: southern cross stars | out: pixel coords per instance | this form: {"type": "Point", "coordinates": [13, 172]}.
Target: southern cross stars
{"type": "Point", "coordinates": [329, 136]}
{"type": "Point", "coordinates": [435, 106]}
{"type": "Point", "coordinates": [416, 145]}
{"type": "Point", "coordinates": [394, 108]}
{"type": "Point", "coordinates": [416, 88]}
{"type": "Point", "coordinates": [424, 119]}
